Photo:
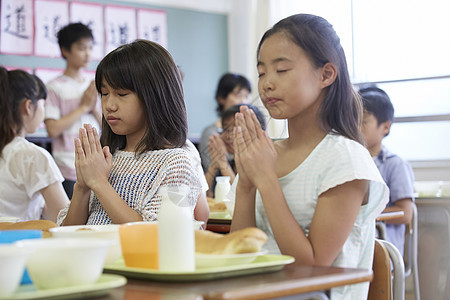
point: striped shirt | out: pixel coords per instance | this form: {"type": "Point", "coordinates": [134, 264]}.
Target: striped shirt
{"type": "Point", "coordinates": [137, 179]}
{"type": "Point", "coordinates": [64, 96]}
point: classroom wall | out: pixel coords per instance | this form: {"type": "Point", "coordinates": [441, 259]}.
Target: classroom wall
{"type": "Point", "coordinates": [197, 40]}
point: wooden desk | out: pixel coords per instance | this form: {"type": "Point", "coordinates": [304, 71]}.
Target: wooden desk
{"type": "Point", "coordinates": [218, 225]}
{"type": "Point", "coordinates": [390, 215]}
{"type": "Point", "coordinates": [433, 201]}
{"type": "Point", "coordinates": [292, 280]}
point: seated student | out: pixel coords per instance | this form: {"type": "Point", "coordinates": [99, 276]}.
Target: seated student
{"type": "Point", "coordinates": [30, 181]}
{"type": "Point", "coordinates": [396, 172]}
{"type": "Point", "coordinates": [317, 193]}
{"type": "Point", "coordinates": [143, 131]}
{"type": "Point", "coordinates": [232, 89]}
{"type": "Point", "coordinates": [221, 147]}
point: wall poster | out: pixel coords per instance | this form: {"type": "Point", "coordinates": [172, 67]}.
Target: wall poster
{"type": "Point", "coordinates": [50, 17]}
{"type": "Point", "coordinates": [91, 15]}
{"type": "Point", "coordinates": [120, 26]}
{"type": "Point", "coordinates": [16, 27]}
{"type": "Point", "coordinates": [152, 25]}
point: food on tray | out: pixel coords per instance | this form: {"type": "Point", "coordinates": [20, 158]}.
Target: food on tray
{"type": "Point", "coordinates": [216, 207]}
{"type": "Point", "coordinates": [247, 240]}
{"type": "Point", "coordinates": [84, 229]}
{"type": "Point", "coordinates": [43, 225]}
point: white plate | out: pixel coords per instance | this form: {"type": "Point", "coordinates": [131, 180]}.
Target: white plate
{"type": "Point", "coordinates": [221, 260]}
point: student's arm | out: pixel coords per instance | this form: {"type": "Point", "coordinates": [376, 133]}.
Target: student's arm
{"type": "Point", "coordinates": [201, 210]}
{"type": "Point", "coordinates": [55, 200]}
{"type": "Point", "coordinates": [333, 220]}
{"type": "Point", "coordinates": [78, 211]}
{"type": "Point", "coordinates": [404, 205]}
{"type": "Point", "coordinates": [244, 206]}
{"type": "Point", "coordinates": [56, 127]}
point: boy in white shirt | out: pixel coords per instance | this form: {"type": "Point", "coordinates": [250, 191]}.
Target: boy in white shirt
{"type": "Point", "coordinates": [72, 100]}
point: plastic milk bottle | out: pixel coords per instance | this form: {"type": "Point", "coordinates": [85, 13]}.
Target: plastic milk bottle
{"type": "Point", "coordinates": [222, 188]}
{"type": "Point", "coordinates": [176, 230]}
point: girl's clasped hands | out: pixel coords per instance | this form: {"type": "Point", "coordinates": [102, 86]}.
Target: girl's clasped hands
{"type": "Point", "coordinates": [92, 162]}
{"type": "Point", "coordinates": [254, 152]}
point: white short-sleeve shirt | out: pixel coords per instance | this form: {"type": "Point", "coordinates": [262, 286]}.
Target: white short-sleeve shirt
{"type": "Point", "coordinates": [25, 169]}
{"type": "Point", "coordinates": [334, 161]}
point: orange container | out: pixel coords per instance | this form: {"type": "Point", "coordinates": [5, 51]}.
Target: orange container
{"type": "Point", "coordinates": [139, 242]}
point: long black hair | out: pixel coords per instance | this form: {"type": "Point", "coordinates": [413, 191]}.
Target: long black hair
{"type": "Point", "coordinates": [148, 70]}
{"type": "Point", "coordinates": [341, 110]}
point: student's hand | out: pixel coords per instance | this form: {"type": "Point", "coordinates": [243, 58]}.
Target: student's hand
{"type": "Point", "coordinates": [94, 162]}
{"type": "Point", "coordinates": [254, 152]}
{"type": "Point", "coordinates": [217, 152]}
{"type": "Point", "coordinates": [78, 150]}
{"type": "Point", "coordinates": [89, 99]}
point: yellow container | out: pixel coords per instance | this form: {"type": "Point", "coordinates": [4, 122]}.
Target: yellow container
{"type": "Point", "coordinates": [139, 242]}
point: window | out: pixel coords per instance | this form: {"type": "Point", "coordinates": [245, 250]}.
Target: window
{"type": "Point", "coordinates": [403, 47]}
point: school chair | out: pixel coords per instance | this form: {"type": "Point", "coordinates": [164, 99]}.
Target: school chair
{"type": "Point", "coordinates": [410, 252]}
{"type": "Point", "coordinates": [387, 284]}
{"type": "Point", "coordinates": [410, 249]}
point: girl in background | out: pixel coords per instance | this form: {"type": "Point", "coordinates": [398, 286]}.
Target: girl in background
{"type": "Point", "coordinates": [317, 193]}
{"type": "Point", "coordinates": [144, 125]}
{"type": "Point", "coordinates": [31, 183]}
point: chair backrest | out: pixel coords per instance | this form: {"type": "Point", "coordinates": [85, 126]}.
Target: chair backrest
{"type": "Point", "coordinates": [398, 271]}
{"type": "Point", "coordinates": [380, 286]}
{"type": "Point", "coordinates": [410, 249]}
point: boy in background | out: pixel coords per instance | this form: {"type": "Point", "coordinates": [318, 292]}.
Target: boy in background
{"type": "Point", "coordinates": [72, 100]}
{"type": "Point", "coordinates": [396, 172]}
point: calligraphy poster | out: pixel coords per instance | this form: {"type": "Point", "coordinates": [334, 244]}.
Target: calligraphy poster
{"type": "Point", "coordinates": [91, 15]}
{"type": "Point", "coordinates": [50, 17]}
{"type": "Point", "coordinates": [16, 27]}
{"type": "Point", "coordinates": [152, 25]}
{"type": "Point", "coordinates": [120, 26]}
{"type": "Point", "coordinates": [47, 74]}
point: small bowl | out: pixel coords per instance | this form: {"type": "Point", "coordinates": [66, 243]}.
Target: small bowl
{"type": "Point", "coordinates": [56, 263]}
{"type": "Point", "coordinates": [14, 235]}
{"type": "Point", "coordinates": [108, 232]}
{"type": "Point", "coordinates": [12, 261]}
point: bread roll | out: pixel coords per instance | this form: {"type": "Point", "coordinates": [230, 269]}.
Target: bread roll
{"type": "Point", "coordinates": [247, 240]}
{"type": "Point", "coordinates": [216, 207]}
{"type": "Point", "coordinates": [43, 225]}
